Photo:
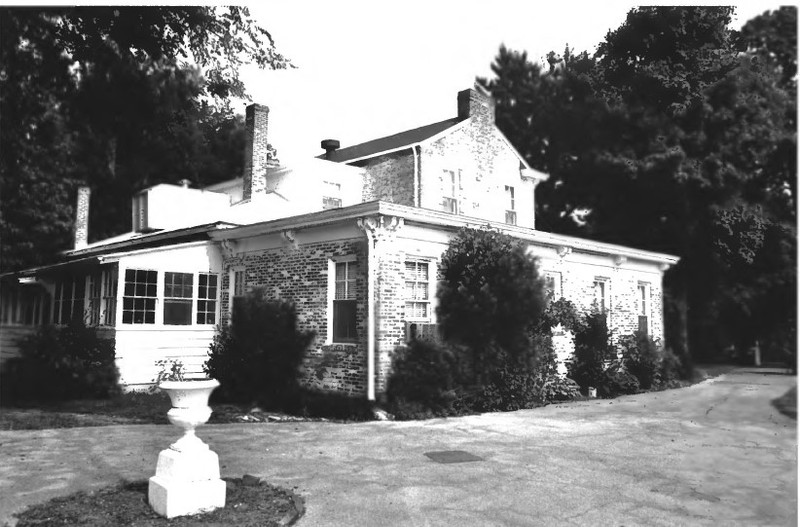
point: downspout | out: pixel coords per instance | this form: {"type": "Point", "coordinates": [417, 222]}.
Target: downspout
{"type": "Point", "coordinates": [368, 225]}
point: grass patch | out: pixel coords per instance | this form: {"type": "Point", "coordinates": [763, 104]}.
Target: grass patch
{"type": "Point", "coordinates": [249, 502]}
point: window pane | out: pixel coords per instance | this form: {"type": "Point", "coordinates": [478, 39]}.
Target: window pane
{"type": "Point", "coordinates": [344, 320]}
{"type": "Point", "coordinates": [177, 312]}
{"type": "Point", "coordinates": [341, 290]}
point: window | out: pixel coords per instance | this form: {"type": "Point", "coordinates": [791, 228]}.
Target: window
{"type": "Point", "coordinates": [511, 213]}
{"type": "Point", "coordinates": [417, 291]}
{"type": "Point", "coordinates": [109, 303]}
{"type": "Point", "coordinates": [69, 298]}
{"type": "Point", "coordinates": [95, 290]}
{"type": "Point", "coordinates": [332, 195]}
{"type": "Point", "coordinates": [237, 288]}
{"type": "Point", "coordinates": [552, 285]}
{"type": "Point", "coordinates": [139, 300]}
{"type": "Point", "coordinates": [178, 298]}
{"type": "Point", "coordinates": [206, 298]}
{"type": "Point", "coordinates": [601, 295]}
{"type": "Point", "coordinates": [28, 305]}
{"type": "Point", "coordinates": [451, 182]}
{"type": "Point", "coordinates": [344, 302]}
{"type": "Point", "coordinates": [643, 299]}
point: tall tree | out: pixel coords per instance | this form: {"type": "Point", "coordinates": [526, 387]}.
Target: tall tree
{"type": "Point", "coordinates": [112, 97]}
{"type": "Point", "coordinates": [681, 130]}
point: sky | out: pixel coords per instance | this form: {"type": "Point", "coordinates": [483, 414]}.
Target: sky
{"type": "Point", "coordinates": [368, 69]}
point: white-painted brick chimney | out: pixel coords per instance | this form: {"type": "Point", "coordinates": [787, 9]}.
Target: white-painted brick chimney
{"type": "Point", "coordinates": [82, 218]}
{"type": "Point", "coordinates": [255, 153]}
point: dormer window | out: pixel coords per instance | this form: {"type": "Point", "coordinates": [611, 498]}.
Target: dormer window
{"type": "Point", "coordinates": [331, 195]}
{"type": "Point", "coordinates": [511, 213]}
{"type": "Point", "coordinates": [451, 182]}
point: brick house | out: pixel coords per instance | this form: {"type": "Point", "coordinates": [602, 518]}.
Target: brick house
{"type": "Point", "coordinates": [354, 238]}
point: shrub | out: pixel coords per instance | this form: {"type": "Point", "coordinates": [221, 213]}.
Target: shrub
{"type": "Point", "coordinates": [510, 390]}
{"type": "Point", "coordinates": [424, 377]}
{"type": "Point", "coordinates": [671, 367]}
{"type": "Point", "coordinates": [257, 357]}
{"type": "Point", "coordinates": [313, 403]}
{"type": "Point", "coordinates": [616, 381]}
{"type": "Point", "coordinates": [69, 362]}
{"type": "Point", "coordinates": [592, 349]}
{"type": "Point", "coordinates": [555, 388]}
{"type": "Point", "coordinates": [642, 357]}
{"type": "Point", "coordinates": [490, 298]}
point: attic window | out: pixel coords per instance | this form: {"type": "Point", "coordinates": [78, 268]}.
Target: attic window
{"type": "Point", "coordinates": [511, 213]}
{"type": "Point", "coordinates": [451, 183]}
{"type": "Point", "coordinates": [331, 195]}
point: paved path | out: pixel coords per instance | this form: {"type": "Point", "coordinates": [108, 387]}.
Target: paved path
{"type": "Point", "coordinates": [716, 453]}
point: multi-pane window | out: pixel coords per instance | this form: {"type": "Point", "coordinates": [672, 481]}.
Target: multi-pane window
{"type": "Point", "coordinates": [178, 298]}
{"type": "Point", "coordinates": [451, 181]}
{"type": "Point", "coordinates": [140, 295]}
{"type": "Point", "coordinates": [95, 293]}
{"type": "Point", "coordinates": [29, 306]}
{"type": "Point", "coordinates": [417, 280]}
{"type": "Point", "coordinates": [344, 302]}
{"type": "Point", "coordinates": [332, 197]}
{"type": "Point", "coordinates": [206, 298]}
{"type": "Point", "coordinates": [109, 303]}
{"type": "Point", "coordinates": [601, 295]}
{"type": "Point", "coordinates": [511, 212]}
{"type": "Point", "coordinates": [643, 299]}
{"type": "Point", "coordinates": [552, 285]}
{"type": "Point", "coordinates": [69, 299]}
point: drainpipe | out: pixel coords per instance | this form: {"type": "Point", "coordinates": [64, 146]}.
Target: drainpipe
{"type": "Point", "coordinates": [369, 225]}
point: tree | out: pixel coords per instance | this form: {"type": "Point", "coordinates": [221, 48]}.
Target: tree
{"type": "Point", "coordinates": [685, 145]}
{"type": "Point", "coordinates": [490, 299]}
{"type": "Point", "coordinates": [111, 97]}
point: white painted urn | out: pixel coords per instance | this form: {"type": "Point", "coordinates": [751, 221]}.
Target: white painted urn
{"type": "Point", "coordinates": [189, 409]}
{"type": "Point", "coordinates": [187, 479]}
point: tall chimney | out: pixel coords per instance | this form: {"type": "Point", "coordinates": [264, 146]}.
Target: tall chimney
{"type": "Point", "coordinates": [477, 103]}
{"type": "Point", "coordinates": [255, 152]}
{"type": "Point", "coordinates": [82, 218]}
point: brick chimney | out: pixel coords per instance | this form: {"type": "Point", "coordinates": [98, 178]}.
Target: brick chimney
{"type": "Point", "coordinates": [255, 152]}
{"type": "Point", "coordinates": [476, 103]}
{"type": "Point", "coordinates": [82, 218]}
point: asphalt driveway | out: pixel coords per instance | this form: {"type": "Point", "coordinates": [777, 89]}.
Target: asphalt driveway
{"type": "Point", "coordinates": [716, 453]}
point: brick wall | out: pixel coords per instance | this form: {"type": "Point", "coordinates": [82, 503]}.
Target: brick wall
{"type": "Point", "coordinates": [389, 178]}
{"type": "Point", "coordinates": [486, 164]}
{"type": "Point", "coordinates": [300, 275]}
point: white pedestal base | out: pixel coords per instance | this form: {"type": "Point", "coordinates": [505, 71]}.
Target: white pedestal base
{"type": "Point", "coordinates": [186, 483]}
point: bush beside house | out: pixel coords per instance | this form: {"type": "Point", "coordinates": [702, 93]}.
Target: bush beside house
{"type": "Point", "coordinates": [61, 363]}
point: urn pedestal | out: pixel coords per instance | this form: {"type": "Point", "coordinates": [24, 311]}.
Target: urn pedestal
{"type": "Point", "coordinates": [187, 474]}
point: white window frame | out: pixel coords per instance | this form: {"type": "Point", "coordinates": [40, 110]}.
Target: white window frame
{"type": "Point", "coordinates": [431, 264]}
{"type": "Point", "coordinates": [605, 307]}
{"type": "Point", "coordinates": [158, 321]}
{"type": "Point", "coordinates": [558, 287]}
{"type": "Point", "coordinates": [511, 212]}
{"type": "Point", "coordinates": [451, 182]}
{"type": "Point", "coordinates": [332, 193]}
{"type": "Point", "coordinates": [197, 299]}
{"type": "Point", "coordinates": [352, 258]}
{"type": "Point", "coordinates": [644, 304]}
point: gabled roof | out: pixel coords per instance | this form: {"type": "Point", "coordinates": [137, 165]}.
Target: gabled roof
{"type": "Point", "coordinates": [389, 143]}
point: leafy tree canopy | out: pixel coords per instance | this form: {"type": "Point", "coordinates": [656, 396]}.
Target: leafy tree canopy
{"type": "Point", "coordinates": [678, 135]}
{"type": "Point", "coordinates": [118, 98]}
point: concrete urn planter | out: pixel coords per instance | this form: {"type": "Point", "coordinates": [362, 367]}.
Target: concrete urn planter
{"type": "Point", "coordinates": [189, 409]}
{"type": "Point", "coordinates": [187, 479]}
